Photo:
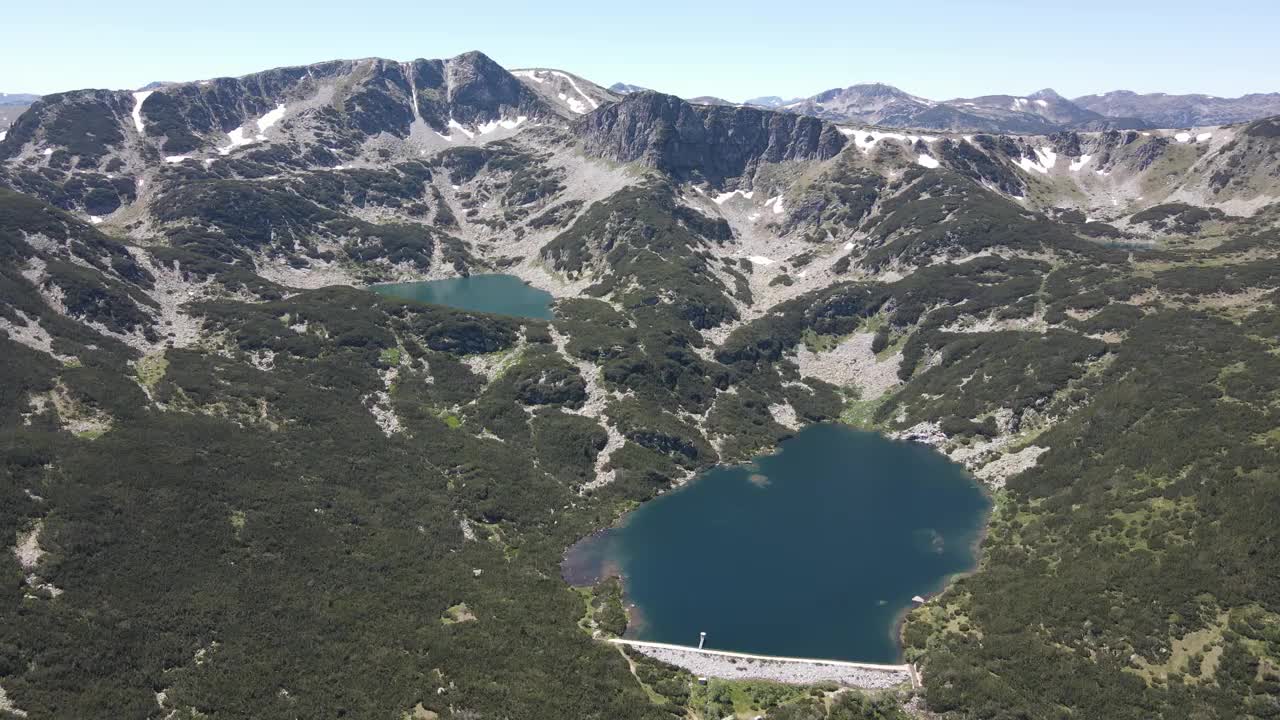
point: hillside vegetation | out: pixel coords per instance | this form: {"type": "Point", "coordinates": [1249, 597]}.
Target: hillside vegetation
{"type": "Point", "coordinates": [240, 485]}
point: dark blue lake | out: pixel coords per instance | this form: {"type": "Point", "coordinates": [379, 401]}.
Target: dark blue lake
{"type": "Point", "coordinates": [501, 294]}
{"type": "Point", "coordinates": [815, 551]}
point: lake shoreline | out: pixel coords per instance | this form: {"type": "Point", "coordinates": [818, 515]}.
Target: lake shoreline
{"type": "Point", "coordinates": [493, 293]}
{"type": "Point", "coordinates": [975, 549]}
{"type": "Point", "coordinates": [587, 570]}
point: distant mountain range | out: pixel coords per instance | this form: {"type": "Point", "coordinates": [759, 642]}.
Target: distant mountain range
{"type": "Point", "coordinates": [1182, 110]}
{"type": "Point", "coordinates": [771, 101]}
{"type": "Point", "coordinates": [12, 105]}
{"type": "Point", "coordinates": [1043, 111]}
{"type": "Point", "coordinates": [1039, 112]}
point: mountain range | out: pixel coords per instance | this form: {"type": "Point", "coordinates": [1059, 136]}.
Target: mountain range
{"type": "Point", "coordinates": [878, 104]}
{"type": "Point", "coordinates": [242, 485]}
{"type": "Point", "coordinates": [1182, 110]}
{"type": "Point", "coordinates": [1039, 112]}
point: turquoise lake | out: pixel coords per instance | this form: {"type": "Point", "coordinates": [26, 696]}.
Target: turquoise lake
{"type": "Point", "coordinates": [815, 551]}
{"type": "Point", "coordinates": [500, 294]}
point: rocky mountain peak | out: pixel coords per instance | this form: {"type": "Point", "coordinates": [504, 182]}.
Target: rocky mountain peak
{"type": "Point", "coordinates": [481, 89]}
{"type": "Point", "coordinates": [622, 88]}
{"type": "Point", "coordinates": [465, 72]}
{"type": "Point", "coordinates": [1046, 94]}
{"type": "Point", "coordinates": [864, 92]}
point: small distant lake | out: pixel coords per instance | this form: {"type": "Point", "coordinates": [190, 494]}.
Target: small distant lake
{"type": "Point", "coordinates": [815, 551]}
{"type": "Point", "coordinates": [501, 294]}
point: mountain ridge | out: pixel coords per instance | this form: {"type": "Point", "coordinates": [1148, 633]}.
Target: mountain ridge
{"type": "Point", "coordinates": [882, 104]}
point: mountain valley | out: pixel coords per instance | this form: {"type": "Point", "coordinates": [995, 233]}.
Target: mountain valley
{"type": "Point", "coordinates": [215, 434]}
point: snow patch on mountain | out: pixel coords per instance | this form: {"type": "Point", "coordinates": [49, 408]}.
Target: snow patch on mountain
{"type": "Point", "coordinates": [237, 138]}
{"type": "Point", "coordinates": [926, 161]}
{"type": "Point", "coordinates": [504, 124]}
{"type": "Point", "coordinates": [722, 198]}
{"type": "Point", "coordinates": [413, 90]}
{"type": "Point", "coordinates": [531, 74]}
{"type": "Point", "coordinates": [576, 105]}
{"type": "Point", "coordinates": [271, 118]}
{"type": "Point", "coordinates": [483, 128]}
{"type": "Point", "coordinates": [1080, 162]}
{"type": "Point", "coordinates": [866, 139]}
{"type": "Point", "coordinates": [455, 125]}
{"type": "Point", "coordinates": [138, 99]}
{"type": "Point", "coordinates": [1029, 165]}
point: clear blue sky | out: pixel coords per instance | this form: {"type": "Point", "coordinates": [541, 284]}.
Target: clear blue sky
{"type": "Point", "coordinates": [734, 50]}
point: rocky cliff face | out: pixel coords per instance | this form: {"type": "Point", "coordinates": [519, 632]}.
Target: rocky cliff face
{"type": "Point", "coordinates": [703, 142]}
